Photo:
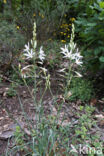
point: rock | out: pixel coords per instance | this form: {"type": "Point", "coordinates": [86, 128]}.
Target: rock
{"type": "Point", "coordinates": [6, 135]}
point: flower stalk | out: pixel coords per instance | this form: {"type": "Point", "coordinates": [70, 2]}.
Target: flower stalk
{"type": "Point", "coordinates": [71, 52]}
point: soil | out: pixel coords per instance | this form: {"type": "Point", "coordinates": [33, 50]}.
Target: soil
{"type": "Point", "coordinates": [12, 108]}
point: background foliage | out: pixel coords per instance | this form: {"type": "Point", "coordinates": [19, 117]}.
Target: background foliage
{"type": "Point", "coordinates": [90, 27]}
{"type": "Point", "coordinates": [53, 18]}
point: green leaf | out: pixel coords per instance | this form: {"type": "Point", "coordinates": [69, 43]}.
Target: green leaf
{"type": "Point", "coordinates": [101, 59]}
{"type": "Point", "coordinates": [99, 50]}
{"type": "Point", "coordinates": [101, 4]}
{"type": "Point", "coordinates": [91, 24]}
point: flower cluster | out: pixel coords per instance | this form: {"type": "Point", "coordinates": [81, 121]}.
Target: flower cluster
{"type": "Point", "coordinates": [65, 30]}
{"type": "Point", "coordinates": [72, 53]}
{"type": "Point", "coordinates": [30, 53]}
{"type": "Point", "coordinates": [41, 55]}
{"type": "Point", "coordinates": [72, 56]}
{"type": "Point", "coordinates": [41, 15]}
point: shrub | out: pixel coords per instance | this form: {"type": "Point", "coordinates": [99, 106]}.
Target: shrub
{"type": "Point", "coordinates": [81, 89]}
{"type": "Point", "coordinates": [91, 32]}
{"type": "Point", "coordinates": [11, 41]}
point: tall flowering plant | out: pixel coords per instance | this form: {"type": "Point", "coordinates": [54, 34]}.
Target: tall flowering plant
{"type": "Point", "coordinates": [30, 53]}
{"type": "Point", "coordinates": [30, 71]}
{"type": "Point", "coordinates": [71, 52]}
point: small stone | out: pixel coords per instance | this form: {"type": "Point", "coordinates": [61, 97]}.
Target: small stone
{"type": "Point", "coordinates": [6, 135]}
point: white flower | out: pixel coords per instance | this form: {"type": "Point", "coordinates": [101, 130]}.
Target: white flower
{"type": "Point", "coordinates": [78, 74]}
{"type": "Point", "coordinates": [25, 71]}
{"type": "Point", "coordinates": [78, 61]}
{"type": "Point", "coordinates": [43, 69]}
{"type": "Point", "coordinates": [72, 56]}
{"type": "Point", "coordinates": [41, 55]}
{"type": "Point", "coordinates": [29, 54]}
{"type": "Point", "coordinates": [66, 52]}
{"type": "Point", "coordinates": [77, 55]}
{"type": "Point", "coordinates": [62, 70]}
{"type": "Point", "coordinates": [27, 47]}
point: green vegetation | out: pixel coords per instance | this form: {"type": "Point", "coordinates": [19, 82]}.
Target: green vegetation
{"type": "Point", "coordinates": [50, 138]}
{"type": "Point", "coordinates": [51, 43]}
{"type": "Point", "coordinates": [12, 91]}
{"type": "Point", "coordinates": [81, 89]}
{"type": "Point", "coordinates": [91, 31]}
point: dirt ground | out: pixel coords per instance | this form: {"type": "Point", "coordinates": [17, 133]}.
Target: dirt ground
{"type": "Point", "coordinates": [12, 108]}
{"type": "Point", "coordinates": [12, 112]}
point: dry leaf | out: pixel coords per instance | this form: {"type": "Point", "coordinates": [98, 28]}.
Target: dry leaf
{"type": "Point", "coordinates": [100, 116]}
{"type": "Point", "coordinates": [69, 94]}
{"type": "Point", "coordinates": [93, 102]}
{"type": "Point", "coordinates": [101, 123]}
{"type": "Point", "coordinates": [1, 118]}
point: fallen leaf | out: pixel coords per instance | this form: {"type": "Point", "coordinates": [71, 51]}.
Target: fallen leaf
{"type": "Point", "coordinates": [1, 118]}
{"type": "Point", "coordinates": [93, 102]}
{"type": "Point", "coordinates": [101, 123]}
{"type": "Point", "coordinates": [68, 94]}
{"type": "Point", "coordinates": [100, 116]}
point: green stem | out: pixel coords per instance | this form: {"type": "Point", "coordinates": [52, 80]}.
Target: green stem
{"type": "Point", "coordinates": [28, 88]}
{"type": "Point", "coordinates": [69, 78]}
